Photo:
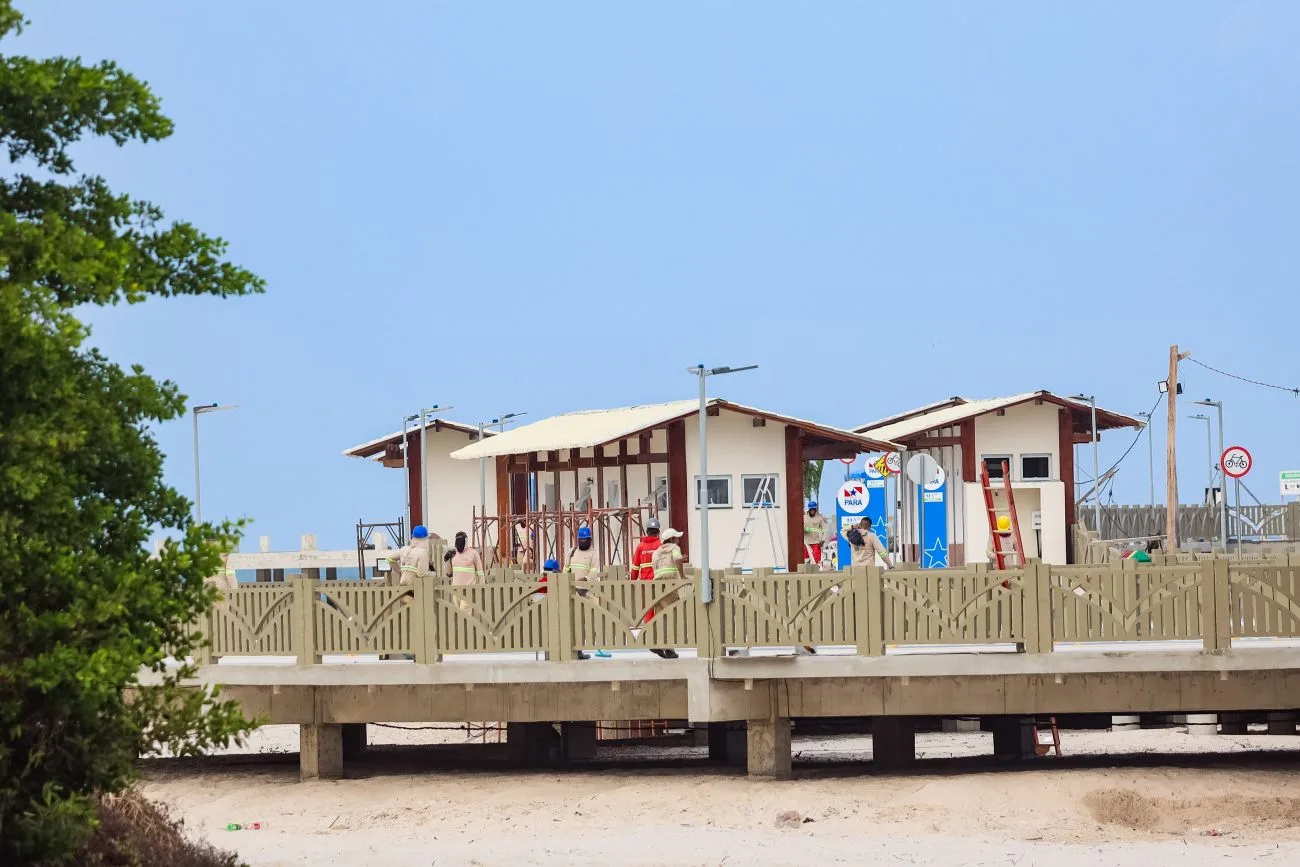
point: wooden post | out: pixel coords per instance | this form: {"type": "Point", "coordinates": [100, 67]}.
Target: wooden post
{"type": "Point", "coordinates": [867, 607]}
{"type": "Point", "coordinates": [559, 602]}
{"type": "Point", "coordinates": [304, 619]}
{"type": "Point", "coordinates": [1216, 617]}
{"type": "Point", "coordinates": [424, 620]}
{"type": "Point", "coordinates": [1171, 456]}
{"type": "Point", "coordinates": [1030, 624]}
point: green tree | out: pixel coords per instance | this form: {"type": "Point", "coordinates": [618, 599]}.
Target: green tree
{"type": "Point", "coordinates": [83, 607]}
{"type": "Point", "coordinates": [812, 478]}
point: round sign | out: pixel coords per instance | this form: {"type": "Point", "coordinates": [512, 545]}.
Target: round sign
{"type": "Point", "coordinates": [853, 496]}
{"type": "Point", "coordinates": [847, 461]}
{"type": "Point", "coordinates": [894, 461]}
{"type": "Point", "coordinates": [872, 472]}
{"type": "Point", "coordinates": [1236, 462]}
{"type": "Point", "coordinates": [923, 469]}
{"type": "Point", "coordinates": [937, 480]}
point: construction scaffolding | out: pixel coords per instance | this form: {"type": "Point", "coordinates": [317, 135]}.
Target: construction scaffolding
{"type": "Point", "coordinates": [534, 537]}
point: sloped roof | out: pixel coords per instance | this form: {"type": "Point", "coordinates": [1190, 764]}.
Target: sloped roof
{"type": "Point", "coordinates": [598, 427]}
{"type": "Point", "coordinates": [958, 409]}
{"type": "Point", "coordinates": [377, 447]}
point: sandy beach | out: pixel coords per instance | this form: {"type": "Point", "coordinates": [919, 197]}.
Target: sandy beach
{"type": "Point", "coordinates": [1135, 798]}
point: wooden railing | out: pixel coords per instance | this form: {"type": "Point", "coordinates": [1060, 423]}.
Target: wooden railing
{"type": "Point", "coordinates": [1211, 601]}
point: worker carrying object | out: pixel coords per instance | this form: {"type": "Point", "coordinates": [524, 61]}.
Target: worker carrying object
{"type": "Point", "coordinates": [464, 565]}
{"type": "Point", "coordinates": [865, 547]}
{"type": "Point", "coordinates": [666, 561]}
{"type": "Point", "coordinates": [640, 566]}
{"type": "Point", "coordinates": [411, 560]}
{"type": "Point", "coordinates": [584, 565]}
{"type": "Point", "coordinates": [816, 530]}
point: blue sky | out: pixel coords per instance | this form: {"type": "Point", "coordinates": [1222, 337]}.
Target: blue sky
{"type": "Point", "coordinates": [553, 206]}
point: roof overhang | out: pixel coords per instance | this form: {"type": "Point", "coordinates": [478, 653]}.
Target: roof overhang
{"type": "Point", "coordinates": [375, 449]}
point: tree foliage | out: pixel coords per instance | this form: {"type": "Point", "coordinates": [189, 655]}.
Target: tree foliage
{"type": "Point", "coordinates": [84, 608]}
{"type": "Point", "coordinates": [812, 478]}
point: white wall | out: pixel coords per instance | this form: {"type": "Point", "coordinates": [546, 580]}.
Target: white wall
{"type": "Point", "coordinates": [1025, 429]}
{"type": "Point", "coordinates": [736, 449]}
{"type": "Point", "coordinates": [454, 485]}
{"type": "Point", "coordinates": [1047, 497]}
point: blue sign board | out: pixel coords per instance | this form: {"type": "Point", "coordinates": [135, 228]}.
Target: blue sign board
{"type": "Point", "coordinates": [933, 497]}
{"type": "Point", "coordinates": [862, 495]}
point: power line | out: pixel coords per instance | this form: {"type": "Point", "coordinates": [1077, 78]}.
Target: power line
{"type": "Point", "coordinates": [1295, 392]}
{"type": "Point", "coordinates": [1149, 416]}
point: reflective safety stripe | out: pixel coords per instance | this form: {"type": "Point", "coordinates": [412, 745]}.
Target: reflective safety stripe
{"type": "Point", "coordinates": [409, 569]}
{"type": "Point", "coordinates": [464, 569]}
{"type": "Point", "coordinates": [671, 570]}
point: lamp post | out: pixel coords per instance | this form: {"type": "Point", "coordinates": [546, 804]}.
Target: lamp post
{"type": "Point", "coordinates": [1223, 494]}
{"type": "Point", "coordinates": [198, 411]}
{"type": "Point", "coordinates": [1151, 459]}
{"type": "Point", "coordinates": [425, 416]}
{"type": "Point", "coordinates": [500, 421]}
{"type": "Point", "coordinates": [702, 492]}
{"type": "Point", "coordinates": [1096, 463]}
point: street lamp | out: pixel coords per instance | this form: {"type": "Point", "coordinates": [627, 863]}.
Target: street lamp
{"type": "Point", "coordinates": [482, 464]}
{"type": "Point", "coordinates": [1223, 494]}
{"type": "Point", "coordinates": [198, 411]}
{"type": "Point", "coordinates": [1096, 463]}
{"type": "Point", "coordinates": [423, 417]}
{"type": "Point", "coordinates": [1209, 453]}
{"type": "Point", "coordinates": [1151, 459]}
{"type": "Point", "coordinates": [702, 491]}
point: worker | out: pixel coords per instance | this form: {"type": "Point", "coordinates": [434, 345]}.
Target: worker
{"type": "Point", "coordinates": [865, 547]}
{"type": "Point", "coordinates": [816, 531]}
{"type": "Point", "coordinates": [666, 563]}
{"type": "Point", "coordinates": [411, 561]}
{"type": "Point", "coordinates": [464, 565]}
{"type": "Point", "coordinates": [584, 565]}
{"type": "Point", "coordinates": [1008, 544]}
{"type": "Point", "coordinates": [521, 549]}
{"type": "Point", "coordinates": [640, 565]}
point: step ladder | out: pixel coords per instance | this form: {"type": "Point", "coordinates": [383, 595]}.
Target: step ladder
{"type": "Point", "coordinates": [1001, 556]}
{"type": "Point", "coordinates": [1041, 748]}
{"type": "Point", "coordinates": [763, 501]}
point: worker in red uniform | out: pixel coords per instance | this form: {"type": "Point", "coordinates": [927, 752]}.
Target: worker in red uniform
{"type": "Point", "coordinates": [644, 553]}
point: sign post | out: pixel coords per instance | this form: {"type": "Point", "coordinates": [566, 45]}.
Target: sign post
{"type": "Point", "coordinates": [1236, 463]}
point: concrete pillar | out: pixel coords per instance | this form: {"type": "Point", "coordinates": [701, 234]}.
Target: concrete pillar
{"type": "Point", "coordinates": [320, 751]}
{"type": "Point", "coordinates": [1125, 723]}
{"type": "Point", "coordinates": [1013, 738]}
{"type": "Point", "coordinates": [1282, 723]}
{"type": "Point", "coordinates": [354, 740]}
{"type": "Point", "coordinates": [961, 725]}
{"type": "Point", "coordinates": [767, 746]}
{"type": "Point", "coordinates": [1202, 724]}
{"type": "Point", "coordinates": [893, 741]}
{"type": "Point", "coordinates": [528, 744]}
{"type": "Point", "coordinates": [578, 740]}
{"type": "Point", "coordinates": [1231, 723]}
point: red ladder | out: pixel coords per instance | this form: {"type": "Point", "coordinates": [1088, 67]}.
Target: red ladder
{"type": "Point", "coordinates": [992, 513]}
{"type": "Point", "coordinates": [1043, 749]}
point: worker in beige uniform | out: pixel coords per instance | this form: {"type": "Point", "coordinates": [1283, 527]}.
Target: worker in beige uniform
{"type": "Point", "coordinates": [816, 531]}
{"type": "Point", "coordinates": [411, 560]}
{"type": "Point", "coordinates": [464, 565]}
{"type": "Point", "coordinates": [666, 561]}
{"type": "Point", "coordinates": [584, 565]}
{"type": "Point", "coordinates": [868, 550]}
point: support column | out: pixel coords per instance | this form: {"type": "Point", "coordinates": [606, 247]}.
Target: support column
{"type": "Point", "coordinates": [767, 744]}
{"type": "Point", "coordinates": [320, 751]}
{"type": "Point", "coordinates": [1281, 723]}
{"type": "Point", "coordinates": [1229, 723]}
{"type": "Point", "coordinates": [354, 740]}
{"type": "Point", "coordinates": [893, 741]}
{"type": "Point", "coordinates": [1013, 738]}
{"type": "Point", "coordinates": [1125, 723]}
{"type": "Point", "coordinates": [528, 744]}
{"type": "Point", "coordinates": [1202, 724]}
{"type": "Point", "coordinates": [960, 725]}
{"type": "Point", "coordinates": [578, 740]}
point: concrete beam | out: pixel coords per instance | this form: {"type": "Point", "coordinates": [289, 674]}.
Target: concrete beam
{"type": "Point", "coordinates": [767, 748]}
{"type": "Point", "coordinates": [320, 752]}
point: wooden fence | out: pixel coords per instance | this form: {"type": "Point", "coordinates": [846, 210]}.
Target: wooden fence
{"type": "Point", "coordinates": [1198, 522]}
{"type": "Point", "coordinates": [1211, 600]}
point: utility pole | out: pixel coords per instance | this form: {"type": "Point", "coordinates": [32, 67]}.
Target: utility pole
{"type": "Point", "coordinates": [1171, 453]}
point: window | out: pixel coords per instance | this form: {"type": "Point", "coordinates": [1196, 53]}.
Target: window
{"type": "Point", "coordinates": [613, 496]}
{"type": "Point", "coordinates": [661, 494]}
{"type": "Point", "coordinates": [994, 464]}
{"type": "Point", "coordinates": [1035, 467]}
{"type": "Point", "coordinates": [719, 492]}
{"type": "Point", "coordinates": [750, 486]}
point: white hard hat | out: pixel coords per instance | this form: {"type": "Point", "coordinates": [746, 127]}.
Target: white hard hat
{"type": "Point", "coordinates": [670, 534]}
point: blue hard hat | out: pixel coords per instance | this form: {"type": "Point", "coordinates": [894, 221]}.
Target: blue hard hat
{"type": "Point", "coordinates": [551, 566]}
{"type": "Point", "coordinates": [812, 504]}
{"type": "Point", "coordinates": [584, 533]}
{"type": "Point", "coordinates": [419, 532]}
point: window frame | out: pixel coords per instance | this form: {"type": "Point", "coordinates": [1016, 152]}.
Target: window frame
{"type": "Point", "coordinates": [1011, 465]}
{"type": "Point", "coordinates": [702, 489]}
{"type": "Point", "coordinates": [775, 490]}
{"type": "Point", "coordinates": [661, 501]}
{"type": "Point", "coordinates": [1047, 456]}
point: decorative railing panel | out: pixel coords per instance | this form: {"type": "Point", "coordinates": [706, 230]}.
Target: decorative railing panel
{"type": "Point", "coordinates": [1128, 603]}
{"type": "Point", "coordinates": [622, 613]}
{"type": "Point", "coordinates": [501, 615]}
{"type": "Point", "coordinates": [791, 608]}
{"type": "Point", "coordinates": [952, 606]}
{"type": "Point", "coordinates": [254, 621]}
{"type": "Point", "coordinates": [362, 617]}
{"type": "Point", "coordinates": [1264, 600]}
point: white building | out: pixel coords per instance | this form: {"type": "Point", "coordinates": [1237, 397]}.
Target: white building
{"type": "Point", "coordinates": [645, 454]}
{"type": "Point", "coordinates": [453, 486]}
{"type": "Point", "coordinates": [1036, 433]}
